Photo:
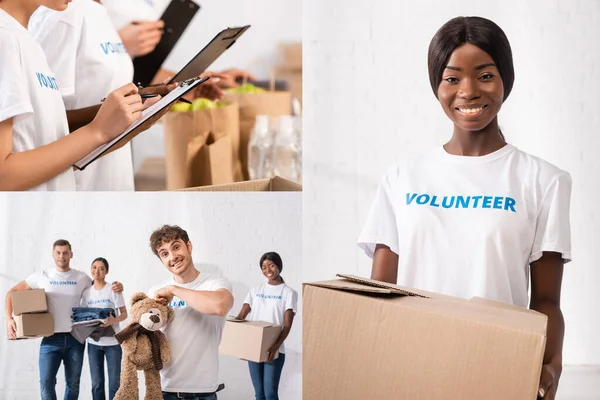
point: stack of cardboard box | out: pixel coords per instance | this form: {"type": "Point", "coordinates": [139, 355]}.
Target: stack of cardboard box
{"type": "Point", "coordinates": [290, 67]}
{"type": "Point", "coordinates": [31, 315]}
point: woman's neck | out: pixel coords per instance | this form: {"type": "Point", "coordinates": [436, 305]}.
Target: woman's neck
{"type": "Point", "coordinates": [99, 284]}
{"type": "Point", "coordinates": [275, 282]}
{"type": "Point", "coordinates": [476, 143]}
{"type": "Point", "coordinates": [19, 10]}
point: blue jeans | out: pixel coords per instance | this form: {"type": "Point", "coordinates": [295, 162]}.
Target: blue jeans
{"type": "Point", "coordinates": [172, 397]}
{"type": "Point", "coordinates": [96, 356]}
{"type": "Point", "coordinates": [265, 378]}
{"type": "Point", "coordinates": [60, 347]}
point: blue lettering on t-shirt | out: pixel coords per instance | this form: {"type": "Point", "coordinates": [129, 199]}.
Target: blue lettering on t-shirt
{"type": "Point", "coordinates": [268, 296]}
{"type": "Point", "coordinates": [101, 301]}
{"type": "Point", "coordinates": [496, 202]}
{"type": "Point", "coordinates": [177, 303]}
{"type": "Point", "coordinates": [46, 81]}
{"type": "Point", "coordinates": [61, 283]}
{"type": "Point", "coordinates": [113, 48]}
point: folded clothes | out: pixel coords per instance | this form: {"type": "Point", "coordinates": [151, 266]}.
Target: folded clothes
{"type": "Point", "coordinates": [82, 331]}
{"type": "Point", "coordinates": [90, 313]}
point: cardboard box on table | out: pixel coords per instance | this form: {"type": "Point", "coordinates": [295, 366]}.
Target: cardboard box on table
{"type": "Point", "coordinates": [275, 184]}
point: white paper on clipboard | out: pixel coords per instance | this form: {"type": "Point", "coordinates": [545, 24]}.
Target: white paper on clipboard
{"type": "Point", "coordinates": [147, 114]}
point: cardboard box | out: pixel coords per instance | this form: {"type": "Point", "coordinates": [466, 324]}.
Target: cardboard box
{"type": "Point", "coordinates": [34, 325]}
{"type": "Point", "coordinates": [364, 339]}
{"type": "Point", "coordinates": [275, 184]}
{"type": "Point", "coordinates": [29, 301]}
{"type": "Point", "coordinates": [291, 56]}
{"type": "Point", "coordinates": [249, 340]}
{"type": "Point", "coordinates": [294, 80]}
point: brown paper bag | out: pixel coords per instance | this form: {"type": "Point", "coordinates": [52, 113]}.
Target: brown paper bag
{"type": "Point", "coordinates": [202, 146]}
{"type": "Point", "coordinates": [269, 103]}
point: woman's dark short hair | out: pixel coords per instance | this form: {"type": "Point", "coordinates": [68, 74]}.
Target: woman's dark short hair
{"type": "Point", "coordinates": [103, 261]}
{"type": "Point", "coordinates": [479, 32]}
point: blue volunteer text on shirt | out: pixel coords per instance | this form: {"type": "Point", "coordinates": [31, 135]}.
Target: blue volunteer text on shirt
{"type": "Point", "coordinates": [495, 202]}
{"type": "Point", "coordinates": [46, 81]}
{"type": "Point", "coordinates": [268, 296]}
{"type": "Point", "coordinates": [59, 283]}
{"type": "Point", "coordinates": [177, 303]}
{"type": "Point", "coordinates": [113, 48]}
{"type": "Point", "coordinates": [101, 301]}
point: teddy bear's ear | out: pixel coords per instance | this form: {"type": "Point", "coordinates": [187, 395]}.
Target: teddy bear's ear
{"type": "Point", "coordinates": [137, 297]}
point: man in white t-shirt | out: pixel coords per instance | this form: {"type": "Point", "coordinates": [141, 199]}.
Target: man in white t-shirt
{"type": "Point", "coordinates": [200, 302]}
{"type": "Point", "coordinates": [64, 287]}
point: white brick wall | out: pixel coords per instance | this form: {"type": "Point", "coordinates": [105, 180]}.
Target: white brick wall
{"type": "Point", "coordinates": [368, 103]}
{"type": "Point", "coordinates": [229, 233]}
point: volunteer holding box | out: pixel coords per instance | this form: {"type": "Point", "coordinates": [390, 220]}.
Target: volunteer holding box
{"type": "Point", "coordinates": [35, 150]}
{"type": "Point", "coordinates": [64, 287]}
{"type": "Point", "coordinates": [101, 295]}
{"type": "Point", "coordinates": [273, 302]}
{"type": "Point", "coordinates": [89, 60]}
{"type": "Point", "coordinates": [476, 217]}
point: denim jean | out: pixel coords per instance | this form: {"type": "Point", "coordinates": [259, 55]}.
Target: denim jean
{"type": "Point", "coordinates": [172, 397]}
{"type": "Point", "coordinates": [89, 313]}
{"type": "Point", "coordinates": [60, 347]}
{"type": "Point", "coordinates": [265, 378]}
{"type": "Point", "coordinates": [96, 355]}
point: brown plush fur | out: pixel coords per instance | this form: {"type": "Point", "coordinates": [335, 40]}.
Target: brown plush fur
{"type": "Point", "coordinates": [138, 351]}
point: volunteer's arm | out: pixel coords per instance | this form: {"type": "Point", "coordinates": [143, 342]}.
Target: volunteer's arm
{"type": "Point", "coordinates": [28, 169]}
{"type": "Point", "coordinates": [385, 265]}
{"type": "Point", "coordinates": [244, 311]}
{"type": "Point", "coordinates": [288, 319]}
{"type": "Point", "coordinates": [81, 117]}
{"type": "Point", "coordinates": [11, 326]}
{"type": "Point", "coordinates": [112, 320]}
{"type": "Point", "coordinates": [546, 280]}
{"type": "Point", "coordinates": [217, 302]}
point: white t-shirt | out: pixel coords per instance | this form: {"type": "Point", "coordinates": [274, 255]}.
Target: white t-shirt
{"type": "Point", "coordinates": [270, 302]}
{"type": "Point", "coordinates": [90, 61]}
{"type": "Point", "coordinates": [63, 292]}
{"type": "Point", "coordinates": [194, 339]}
{"type": "Point", "coordinates": [30, 95]}
{"type": "Point", "coordinates": [124, 12]}
{"type": "Point", "coordinates": [470, 226]}
{"type": "Point", "coordinates": [103, 298]}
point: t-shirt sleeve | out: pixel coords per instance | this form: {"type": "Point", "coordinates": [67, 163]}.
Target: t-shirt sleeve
{"type": "Point", "coordinates": [14, 96]}
{"type": "Point", "coordinates": [553, 227]}
{"type": "Point", "coordinates": [87, 281]}
{"type": "Point", "coordinates": [249, 297]}
{"type": "Point", "coordinates": [33, 280]}
{"type": "Point", "coordinates": [291, 301]}
{"type": "Point", "coordinates": [221, 283]}
{"type": "Point", "coordinates": [84, 298]}
{"type": "Point", "coordinates": [380, 227]}
{"type": "Point", "coordinates": [60, 41]}
{"type": "Point", "coordinates": [118, 299]}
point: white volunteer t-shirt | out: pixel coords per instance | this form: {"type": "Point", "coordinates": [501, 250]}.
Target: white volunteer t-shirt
{"type": "Point", "coordinates": [90, 61]}
{"type": "Point", "coordinates": [30, 95]}
{"type": "Point", "coordinates": [63, 292]}
{"type": "Point", "coordinates": [103, 298]}
{"type": "Point", "coordinates": [194, 339]}
{"type": "Point", "coordinates": [124, 12]}
{"type": "Point", "coordinates": [470, 226]}
{"type": "Point", "coordinates": [269, 303]}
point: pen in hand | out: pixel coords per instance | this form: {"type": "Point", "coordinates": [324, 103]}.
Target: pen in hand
{"type": "Point", "coordinates": [143, 96]}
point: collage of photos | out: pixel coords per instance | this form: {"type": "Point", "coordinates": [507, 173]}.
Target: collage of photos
{"type": "Point", "coordinates": [299, 200]}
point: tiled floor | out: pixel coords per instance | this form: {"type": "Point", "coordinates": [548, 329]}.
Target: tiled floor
{"type": "Point", "coordinates": [579, 383]}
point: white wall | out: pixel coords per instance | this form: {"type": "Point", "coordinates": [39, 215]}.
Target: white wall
{"type": "Point", "coordinates": [368, 103]}
{"type": "Point", "coordinates": [272, 22]}
{"type": "Point", "coordinates": [229, 232]}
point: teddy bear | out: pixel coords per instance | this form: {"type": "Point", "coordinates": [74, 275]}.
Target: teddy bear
{"type": "Point", "coordinates": [144, 347]}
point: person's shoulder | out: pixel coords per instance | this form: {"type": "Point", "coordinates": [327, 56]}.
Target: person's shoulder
{"type": "Point", "coordinates": [289, 290]}
{"type": "Point", "coordinates": [81, 276]}
{"type": "Point", "coordinates": [545, 171]}
{"type": "Point", "coordinates": [214, 281]}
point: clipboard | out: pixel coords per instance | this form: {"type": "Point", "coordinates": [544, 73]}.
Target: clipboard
{"type": "Point", "coordinates": [149, 117]}
{"type": "Point", "coordinates": [213, 50]}
{"type": "Point", "coordinates": [177, 17]}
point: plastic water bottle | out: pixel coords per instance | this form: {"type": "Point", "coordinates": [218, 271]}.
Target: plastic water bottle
{"type": "Point", "coordinates": [259, 149]}
{"type": "Point", "coordinates": [286, 152]}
